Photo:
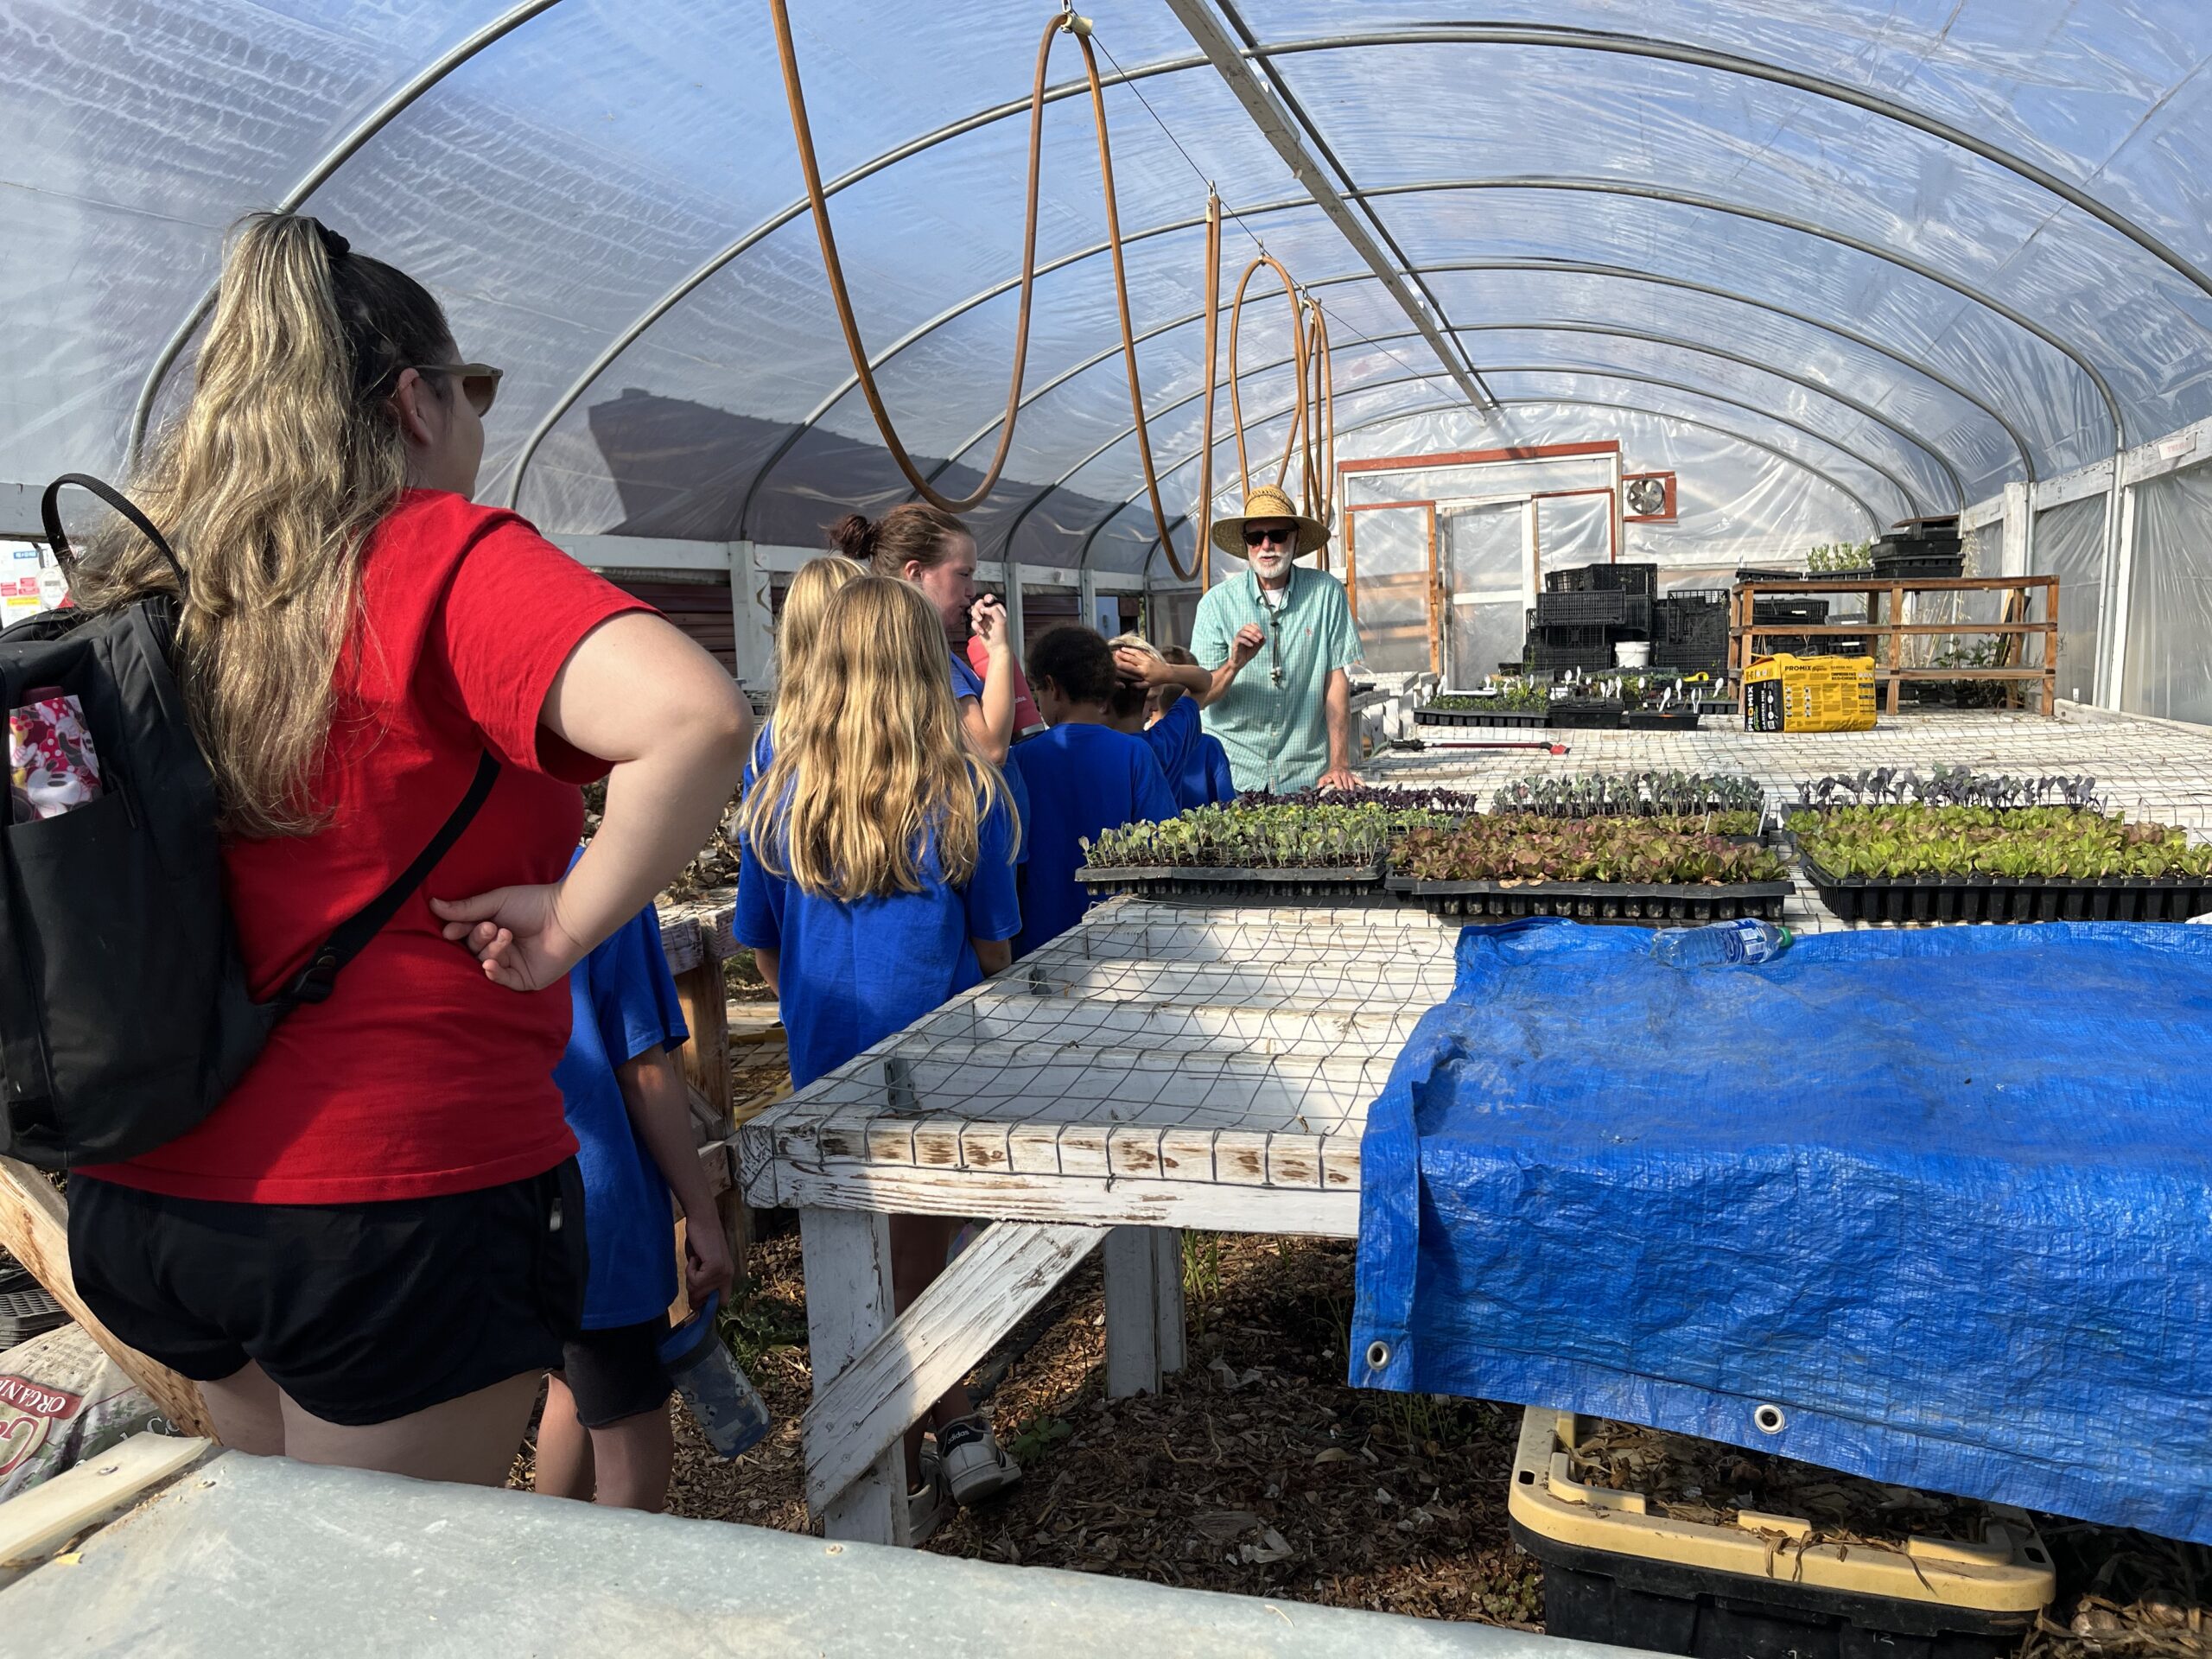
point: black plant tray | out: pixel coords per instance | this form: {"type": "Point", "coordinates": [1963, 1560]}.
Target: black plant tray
{"type": "Point", "coordinates": [2004, 898]}
{"type": "Point", "coordinates": [1480, 717]}
{"type": "Point", "coordinates": [1661, 720]}
{"type": "Point", "coordinates": [1579, 715]}
{"type": "Point", "coordinates": [1162, 881]}
{"type": "Point", "coordinates": [1594, 901]}
{"type": "Point", "coordinates": [1714, 705]}
{"type": "Point", "coordinates": [1907, 565]}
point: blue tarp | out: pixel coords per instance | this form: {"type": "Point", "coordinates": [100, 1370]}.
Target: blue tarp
{"type": "Point", "coordinates": [1943, 1196]}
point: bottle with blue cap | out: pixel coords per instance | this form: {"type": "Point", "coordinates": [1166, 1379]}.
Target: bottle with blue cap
{"type": "Point", "coordinates": [730, 1410]}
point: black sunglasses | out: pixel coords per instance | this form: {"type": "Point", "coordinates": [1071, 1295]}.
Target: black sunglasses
{"type": "Point", "coordinates": [1259, 538]}
{"type": "Point", "coordinates": [480, 382]}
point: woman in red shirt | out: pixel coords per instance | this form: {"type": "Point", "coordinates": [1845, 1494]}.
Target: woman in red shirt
{"type": "Point", "coordinates": [371, 1251]}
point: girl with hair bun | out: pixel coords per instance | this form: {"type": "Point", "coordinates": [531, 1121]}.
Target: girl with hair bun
{"type": "Point", "coordinates": [371, 1252]}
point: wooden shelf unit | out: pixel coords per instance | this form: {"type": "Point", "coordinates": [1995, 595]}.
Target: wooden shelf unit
{"type": "Point", "coordinates": [1743, 632]}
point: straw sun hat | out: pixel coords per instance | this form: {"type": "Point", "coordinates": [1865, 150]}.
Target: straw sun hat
{"type": "Point", "coordinates": [1269, 502]}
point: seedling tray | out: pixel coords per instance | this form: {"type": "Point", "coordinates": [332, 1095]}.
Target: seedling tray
{"type": "Point", "coordinates": [1524, 717]}
{"type": "Point", "coordinates": [1661, 720]}
{"type": "Point", "coordinates": [1575, 714]}
{"type": "Point", "coordinates": [1616, 1573]}
{"type": "Point", "coordinates": [1906, 565]}
{"type": "Point", "coordinates": [2005, 899]}
{"type": "Point", "coordinates": [1594, 901]}
{"type": "Point", "coordinates": [1162, 881]}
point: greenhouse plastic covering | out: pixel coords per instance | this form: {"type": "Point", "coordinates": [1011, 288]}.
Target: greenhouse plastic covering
{"type": "Point", "coordinates": [1925, 1206]}
{"type": "Point", "coordinates": [1886, 258]}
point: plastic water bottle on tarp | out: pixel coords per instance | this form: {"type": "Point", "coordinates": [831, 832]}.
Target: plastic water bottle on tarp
{"type": "Point", "coordinates": [1741, 944]}
{"type": "Point", "coordinates": [729, 1409]}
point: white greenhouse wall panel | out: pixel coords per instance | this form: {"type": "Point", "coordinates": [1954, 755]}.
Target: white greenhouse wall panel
{"type": "Point", "coordinates": [2170, 599]}
{"type": "Point", "coordinates": [2070, 544]}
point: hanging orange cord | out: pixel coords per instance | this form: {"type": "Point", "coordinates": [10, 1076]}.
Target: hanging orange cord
{"type": "Point", "coordinates": [1213, 346]}
{"type": "Point", "coordinates": [1298, 360]}
{"type": "Point", "coordinates": [803, 133]}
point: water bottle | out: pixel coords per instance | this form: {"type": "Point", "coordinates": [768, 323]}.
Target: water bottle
{"type": "Point", "coordinates": [729, 1409]}
{"type": "Point", "coordinates": [1744, 943]}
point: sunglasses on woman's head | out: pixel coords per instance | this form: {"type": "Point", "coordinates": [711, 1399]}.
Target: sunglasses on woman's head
{"type": "Point", "coordinates": [1257, 537]}
{"type": "Point", "coordinates": [480, 382]}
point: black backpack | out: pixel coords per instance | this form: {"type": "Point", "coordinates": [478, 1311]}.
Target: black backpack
{"type": "Point", "coordinates": [125, 1015]}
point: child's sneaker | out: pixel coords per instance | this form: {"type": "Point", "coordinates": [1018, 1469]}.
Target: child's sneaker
{"type": "Point", "coordinates": [928, 1503]}
{"type": "Point", "coordinates": [974, 1466]}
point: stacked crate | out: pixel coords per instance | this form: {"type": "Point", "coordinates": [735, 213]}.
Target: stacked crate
{"type": "Point", "coordinates": [1689, 630]}
{"type": "Point", "coordinates": [1585, 612]}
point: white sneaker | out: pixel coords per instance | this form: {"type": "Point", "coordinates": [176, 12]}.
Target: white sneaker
{"type": "Point", "coordinates": [928, 1505]}
{"type": "Point", "coordinates": [975, 1467]}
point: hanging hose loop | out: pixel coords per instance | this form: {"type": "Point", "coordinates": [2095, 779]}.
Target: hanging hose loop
{"type": "Point", "coordinates": [1297, 360]}
{"type": "Point", "coordinates": [1067, 20]}
{"type": "Point", "coordinates": [1213, 350]}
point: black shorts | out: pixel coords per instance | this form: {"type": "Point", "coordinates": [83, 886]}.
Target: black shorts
{"type": "Point", "coordinates": [617, 1373]}
{"type": "Point", "coordinates": [360, 1312]}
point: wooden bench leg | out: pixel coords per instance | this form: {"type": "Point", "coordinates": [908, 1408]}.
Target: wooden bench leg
{"type": "Point", "coordinates": [1144, 1309]}
{"type": "Point", "coordinates": [847, 1255]}
{"type": "Point", "coordinates": [860, 1415]}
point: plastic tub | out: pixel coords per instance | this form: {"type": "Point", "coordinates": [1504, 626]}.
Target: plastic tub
{"type": "Point", "coordinates": [1721, 1590]}
{"type": "Point", "coordinates": [1632, 653]}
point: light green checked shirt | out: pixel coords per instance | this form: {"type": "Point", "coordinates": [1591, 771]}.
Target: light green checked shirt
{"type": "Point", "coordinates": [1277, 735]}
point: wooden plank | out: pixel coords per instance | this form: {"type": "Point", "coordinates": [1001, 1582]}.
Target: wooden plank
{"type": "Point", "coordinates": [35, 1229]}
{"type": "Point", "coordinates": [1327, 1209]}
{"type": "Point", "coordinates": [680, 940]}
{"type": "Point", "coordinates": [845, 1255]}
{"type": "Point", "coordinates": [865, 1412]}
{"type": "Point", "coordinates": [705, 1002]}
{"type": "Point", "coordinates": [42, 1520]}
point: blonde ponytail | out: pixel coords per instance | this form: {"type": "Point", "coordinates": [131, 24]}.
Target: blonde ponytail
{"type": "Point", "coordinates": [268, 485]}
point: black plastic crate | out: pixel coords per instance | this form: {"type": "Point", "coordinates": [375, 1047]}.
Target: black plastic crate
{"type": "Point", "coordinates": [1906, 565]}
{"type": "Point", "coordinates": [1943, 528]}
{"type": "Point", "coordinates": [1689, 630]}
{"type": "Point", "coordinates": [1660, 719]}
{"type": "Point", "coordinates": [1522, 717]}
{"type": "Point", "coordinates": [1610, 608]}
{"type": "Point", "coordinates": [1604, 578]}
{"type": "Point", "coordinates": [1812, 611]}
{"type": "Point", "coordinates": [1548, 653]}
{"type": "Point", "coordinates": [2004, 898]}
{"type": "Point", "coordinates": [1601, 902]}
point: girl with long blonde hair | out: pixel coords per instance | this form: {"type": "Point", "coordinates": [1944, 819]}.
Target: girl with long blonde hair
{"type": "Point", "coordinates": [877, 880]}
{"type": "Point", "coordinates": [371, 1251]}
{"type": "Point", "coordinates": [805, 602]}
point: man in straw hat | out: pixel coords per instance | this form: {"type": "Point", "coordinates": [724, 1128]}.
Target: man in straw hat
{"type": "Point", "coordinates": [1288, 727]}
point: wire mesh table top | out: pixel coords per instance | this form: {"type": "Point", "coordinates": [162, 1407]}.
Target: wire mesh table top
{"type": "Point", "coordinates": [1242, 1045]}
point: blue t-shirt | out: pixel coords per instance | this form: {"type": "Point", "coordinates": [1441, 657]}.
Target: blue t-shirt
{"type": "Point", "coordinates": [1082, 779]}
{"type": "Point", "coordinates": [850, 974]}
{"type": "Point", "coordinates": [625, 1006]}
{"type": "Point", "coordinates": [966, 682]}
{"type": "Point", "coordinates": [1178, 744]}
{"type": "Point", "coordinates": [1209, 780]}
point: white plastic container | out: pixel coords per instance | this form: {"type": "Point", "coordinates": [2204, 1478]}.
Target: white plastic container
{"type": "Point", "coordinates": [1632, 653]}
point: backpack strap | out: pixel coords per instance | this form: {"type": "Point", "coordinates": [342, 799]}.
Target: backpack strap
{"type": "Point", "coordinates": [314, 982]}
{"type": "Point", "coordinates": [50, 512]}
